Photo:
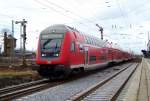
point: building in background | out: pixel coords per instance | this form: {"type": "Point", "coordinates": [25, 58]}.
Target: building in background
{"type": "Point", "coordinates": [9, 44]}
{"type": "Point", "coordinates": [146, 53]}
{"type": "Point", "coordinates": [0, 49]}
{"type": "Point", "coordinates": [148, 46]}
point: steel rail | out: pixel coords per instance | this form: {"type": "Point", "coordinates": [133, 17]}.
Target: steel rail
{"type": "Point", "coordinates": [79, 96]}
{"type": "Point", "coordinates": [24, 85]}
{"type": "Point", "coordinates": [27, 90]}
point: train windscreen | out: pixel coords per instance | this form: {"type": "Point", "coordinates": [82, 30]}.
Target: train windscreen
{"type": "Point", "coordinates": [50, 45]}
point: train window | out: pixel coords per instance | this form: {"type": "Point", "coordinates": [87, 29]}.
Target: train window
{"type": "Point", "coordinates": [85, 38]}
{"type": "Point", "coordinates": [88, 41]}
{"type": "Point", "coordinates": [92, 41]}
{"type": "Point", "coordinates": [96, 42]}
{"type": "Point", "coordinates": [73, 47]}
{"type": "Point", "coordinates": [75, 35]}
{"type": "Point", "coordinates": [109, 51]}
{"type": "Point", "coordinates": [92, 58]}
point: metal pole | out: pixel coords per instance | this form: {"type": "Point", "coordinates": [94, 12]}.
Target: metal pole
{"type": "Point", "coordinates": [12, 51]}
{"type": "Point", "coordinates": [12, 27]}
{"type": "Point", "coordinates": [21, 38]}
{"type": "Point", "coordinates": [24, 41]}
{"type": "Point", "coordinates": [148, 43]}
{"type": "Point", "coordinates": [148, 36]}
{"type": "Point", "coordinates": [101, 34]}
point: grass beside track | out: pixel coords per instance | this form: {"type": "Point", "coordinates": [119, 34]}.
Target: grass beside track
{"type": "Point", "coordinates": [16, 73]}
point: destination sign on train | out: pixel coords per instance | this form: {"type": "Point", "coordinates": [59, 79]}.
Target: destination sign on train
{"type": "Point", "coordinates": [48, 36]}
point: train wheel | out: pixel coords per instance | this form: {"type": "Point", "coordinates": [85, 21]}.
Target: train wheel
{"type": "Point", "coordinates": [81, 69]}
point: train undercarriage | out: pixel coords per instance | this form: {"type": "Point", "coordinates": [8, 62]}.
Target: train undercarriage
{"type": "Point", "coordinates": [54, 71]}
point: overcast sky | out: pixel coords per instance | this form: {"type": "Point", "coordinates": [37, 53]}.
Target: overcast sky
{"type": "Point", "coordinates": [125, 22]}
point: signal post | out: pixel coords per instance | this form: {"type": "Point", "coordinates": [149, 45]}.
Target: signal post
{"type": "Point", "coordinates": [23, 24]}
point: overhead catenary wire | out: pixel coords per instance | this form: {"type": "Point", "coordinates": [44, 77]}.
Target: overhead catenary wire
{"type": "Point", "coordinates": [61, 13]}
{"type": "Point", "coordinates": [121, 12]}
{"type": "Point", "coordinates": [132, 11]}
{"type": "Point", "coordinates": [66, 11]}
{"type": "Point", "coordinates": [4, 15]}
{"type": "Point", "coordinates": [69, 11]}
{"type": "Point", "coordinates": [5, 26]}
{"type": "Point", "coordinates": [55, 10]}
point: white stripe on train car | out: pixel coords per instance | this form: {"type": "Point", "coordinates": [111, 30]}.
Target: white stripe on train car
{"type": "Point", "coordinates": [89, 66]}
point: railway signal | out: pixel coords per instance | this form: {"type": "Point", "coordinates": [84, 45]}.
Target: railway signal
{"type": "Point", "coordinates": [23, 24]}
{"type": "Point", "coordinates": [101, 30]}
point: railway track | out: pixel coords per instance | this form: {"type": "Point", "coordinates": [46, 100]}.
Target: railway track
{"type": "Point", "coordinates": [12, 92]}
{"type": "Point", "coordinates": [28, 88]}
{"type": "Point", "coordinates": [107, 89]}
{"type": "Point", "coordinates": [66, 91]}
{"type": "Point", "coordinates": [17, 91]}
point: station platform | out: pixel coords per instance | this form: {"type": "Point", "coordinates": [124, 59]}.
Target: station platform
{"type": "Point", "coordinates": [138, 87]}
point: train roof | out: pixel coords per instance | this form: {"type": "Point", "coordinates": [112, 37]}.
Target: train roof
{"type": "Point", "coordinates": [61, 28]}
{"type": "Point", "coordinates": [58, 28]}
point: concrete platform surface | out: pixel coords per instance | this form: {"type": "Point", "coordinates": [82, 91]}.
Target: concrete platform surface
{"type": "Point", "coordinates": [138, 87]}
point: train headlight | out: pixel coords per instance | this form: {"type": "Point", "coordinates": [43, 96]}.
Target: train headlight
{"type": "Point", "coordinates": [57, 54]}
{"type": "Point", "coordinates": [43, 54]}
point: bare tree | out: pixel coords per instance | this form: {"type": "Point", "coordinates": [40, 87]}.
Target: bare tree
{"type": "Point", "coordinates": [5, 30]}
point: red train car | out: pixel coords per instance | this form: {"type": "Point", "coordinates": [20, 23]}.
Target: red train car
{"type": "Point", "coordinates": [62, 49]}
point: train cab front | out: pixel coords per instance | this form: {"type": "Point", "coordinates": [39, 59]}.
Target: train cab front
{"type": "Point", "coordinates": [49, 54]}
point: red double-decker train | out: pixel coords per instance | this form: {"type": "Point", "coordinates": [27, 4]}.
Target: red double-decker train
{"type": "Point", "coordinates": [63, 49]}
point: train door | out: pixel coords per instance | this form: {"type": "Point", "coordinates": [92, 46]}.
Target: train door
{"type": "Point", "coordinates": [103, 55]}
{"type": "Point", "coordinates": [110, 55]}
{"type": "Point", "coordinates": [86, 57]}
{"type": "Point", "coordinates": [73, 54]}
